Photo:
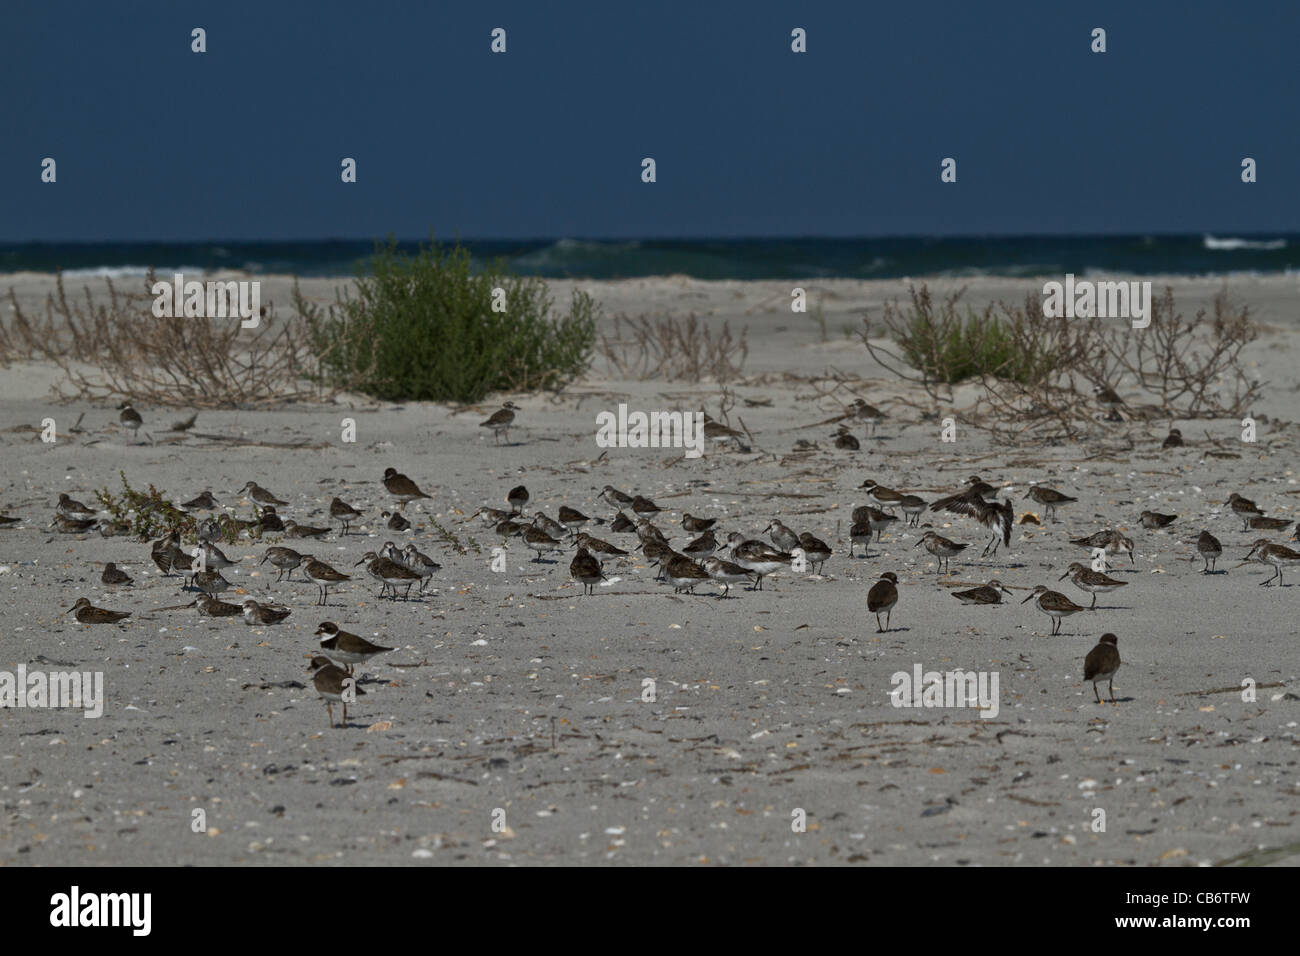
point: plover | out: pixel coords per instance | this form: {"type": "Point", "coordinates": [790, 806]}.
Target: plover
{"type": "Point", "coordinates": [260, 495]}
{"type": "Point", "coordinates": [882, 597]}
{"type": "Point", "coordinates": [501, 420]}
{"type": "Point", "coordinates": [87, 613]}
{"type": "Point", "coordinates": [293, 529]}
{"type": "Point", "coordinates": [1243, 508]}
{"type": "Point", "coordinates": [1094, 582]}
{"type": "Point", "coordinates": [697, 525]}
{"type": "Point", "coordinates": [1278, 555]}
{"type": "Point", "coordinates": [130, 419]}
{"type": "Point", "coordinates": [395, 521]}
{"type": "Point", "coordinates": [215, 607]}
{"type": "Point", "coordinates": [203, 502]}
{"type": "Point", "coordinates": [331, 682]}
{"type": "Point", "coordinates": [1109, 399]}
{"type": "Point", "coordinates": [597, 546]}
{"type": "Point", "coordinates": [586, 570]}
{"type": "Point", "coordinates": [284, 559]}
{"type": "Point", "coordinates": [1054, 604]}
{"type": "Point", "coordinates": [75, 510]}
{"type": "Point", "coordinates": [401, 488]}
{"type": "Point", "coordinates": [1173, 440]}
{"type": "Point", "coordinates": [781, 536]}
{"type": "Point", "coordinates": [816, 551]}
{"type": "Point", "coordinates": [572, 518]}
{"type": "Point", "coordinates": [255, 613]}
{"type": "Point", "coordinates": [323, 576]}
{"type": "Point", "coordinates": [990, 593]}
{"type": "Point", "coordinates": [684, 574]}
{"type": "Point", "coordinates": [517, 499]}
{"type": "Point", "coordinates": [540, 542]}
{"type": "Point", "coordinates": [1049, 498]}
{"type": "Point", "coordinates": [1208, 547]}
{"type": "Point", "coordinates": [942, 548]}
{"type": "Point", "coordinates": [343, 647]}
{"type": "Point", "coordinates": [269, 521]}
{"type": "Point", "coordinates": [719, 434]}
{"type": "Point", "coordinates": [1108, 540]}
{"type": "Point", "coordinates": [756, 556]}
{"type": "Point", "coordinates": [343, 513]}
{"type": "Point", "coordinates": [886, 497]}
{"type": "Point", "coordinates": [114, 576]}
{"type": "Point", "coordinates": [389, 573]}
{"type": "Point", "coordinates": [1102, 664]}
{"type": "Point", "coordinates": [867, 414]}
{"type": "Point", "coordinates": [1151, 520]}
{"type": "Point", "coordinates": [727, 573]}
{"type": "Point", "coordinates": [420, 563]}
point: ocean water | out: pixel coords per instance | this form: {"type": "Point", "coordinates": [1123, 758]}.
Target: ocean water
{"type": "Point", "coordinates": [703, 258]}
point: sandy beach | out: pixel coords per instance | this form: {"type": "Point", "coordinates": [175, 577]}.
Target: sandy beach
{"type": "Point", "coordinates": [512, 723]}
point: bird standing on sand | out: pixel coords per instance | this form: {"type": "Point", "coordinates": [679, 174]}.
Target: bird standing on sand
{"type": "Point", "coordinates": [343, 513]}
{"type": "Point", "coordinates": [941, 548]}
{"type": "Point", "coordinates": [401, 487]}
{"type": "Point", "coordinates": [1209, 548]}
{"type": "Point", "coordinates": [334, 686]}
{"type": "Point", "coordinates": [1102, 664]}
{"type": "Point", "coordinates": [1054, 604]}
{"type": "Point", "coordinates": [342, 647]}
{"type": "Point", "coordinates": [882, 597]}
{"type": "Point", "coordinates": [130, 418]}
{"type": "Point", "coordinates": [501, 420]}
{"type": "Point", "coordinates": [1050, 498]}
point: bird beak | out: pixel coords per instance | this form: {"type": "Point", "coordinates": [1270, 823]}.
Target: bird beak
{"type": "Point", "coordinates": [1064, 576]}
{"type": "Point", "coordinates": [918, 544]}
{"type": "Point", "coordinates": [1026, 599]}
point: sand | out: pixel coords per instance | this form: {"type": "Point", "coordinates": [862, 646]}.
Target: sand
{"type": "Point", "coordinates": [509, 725]}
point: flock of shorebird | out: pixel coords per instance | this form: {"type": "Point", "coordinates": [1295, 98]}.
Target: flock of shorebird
{"type": "Point", "coordinates": [706, 557]}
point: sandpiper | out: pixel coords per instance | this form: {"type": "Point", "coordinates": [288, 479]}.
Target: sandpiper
{"type": "Point", "coordinates": [719, 434]}
{"type": "Point", "coordinates": [845, 440]}
{"type": "Point", "coordinates": [214, 557]}
{"type": "Point", "coordinates": [572, 518]}
{"type": "Point", "coordinates": [544, 522]}
{"type": "Point", "coordinates": [130, 418]}
{"type": "Point", "coordinates": [658, 553]}
{"type": "Point", "coordinates": [1094, 582]}
{"type": "Point", "coordinates": [875, 519]}
{"type": "Point", "coordinates": [1108, 540]}
{"type": "Point", "coordinates": [108, 529]}
{"type": "Point", "coordinates": [420, 563]}
{"type": "Point", "coordinates": [1102, 664]}
{"type": "Point", "coordinates": [343, 513]}
{"type": "Point", "coordinates": [210, 582]}
{"type": "Point", "coordinates": [990, 593]}
{"type": "Point", "coordinates": [185, 424]}
{"type": "Point", "coordinates": [75, 510]}
{"type": "Point", "coordinates": [1054, 604]}
{"type": "Point", "coordinates": [1050, 498]}
{"type": "Point", "coordinates": [7, 520]}
{"type": "Point", "coordinates": [619, 499]}
{"type": "Point", "coordinates": [726, 573]}
{"type": "Point", "coordinates": [586, 570]}
{"type": "Point", "coordinates": [203, 502]}
{"type": "Point", "coordinates": [540, 542]}
{"type": "Point", "coordinates": [644, 506]}
{"type": "Point", "coordinates": [164, 551]}
{"type": "Point", "coordinates": [867, 414]}
{"type": "Point", "coordinates": [781, 536]}
{"type": "Point", "coordinates": [942, 548]}
{"type": "Point", "coordinates": [114, 576]}
{"type": "Point", "coordinates": [860, 534]}
{"type": "Point", "coordinates": [912, 507]}
{"type": "Point", "coordinates": [622, 524]}
{"type": "Point", "coordinates": [999, 518]}
{"type": "Point", "coordinates": [1109, 399]}
{"type": "Point", "coordinates": [491, 517]}
{"type": "Point", "coordinates": [322, 575]}
{"type": "Point", "coordinates": [962, 502]}
{"type": "Point", "coordinates": [70, 526]}
{"type": "Point", "coordinates": [293, 529]}
{"type": "Point", "coordinates": [1208, 547]}
{"type": "Point", "coordinates": [684, 574]}
{"type": "Point", "coordinates": [511, 529]}
{"type": "Point", "coordinates": [1151, 520]}
{"type": "Point", "coordinates": [1173, 440]}
{"type": "Point", "coordinates": [1278, 555]}
{"type": "Point", "coordinates": [882, 597]}
{"type": "Point", "coordinates": [816, 551]}
{"type": "Point", "coordinates": [401, 488]}
{"type": "Point", "coordinates": [285, 559]}
{"type": "Point", "coordinates": [881, 495]}
{"type": "Point", "coordinates": [517, 499]}
{"type": "Point", "coordinates": [332, 683]}
{"type": "Point", "coordinates": [597, 546]}
{"type": "Point", "coordinates": [1243, 508]}
{"type": "Point", "coordinates": [697, 525]}
{"type": "Point", "coordinates": [1262, 523]}
{"type": "Point", "coordinates": [87, 613]}
{"type": "Point", "coordinates": [645, 528]}
{"type": "Point", "coordinates": [260, 495]}
{"type": "Point", "coordinates": [701, 547]}
{"type": "Point", "coordinates": [396, 521]}
{"type": "Point", "coordinates": [343, 647]}
{"type": "Point", "coordinates": [501, 420]}
{"type": "Point", "coordinates": [758, 557]}
{"type": "Point", "coordinates": [389, 573]}
{"type": "Point", "coordinates": [215, 607]}
{"type": "Point", "coordinates": [255, 613]}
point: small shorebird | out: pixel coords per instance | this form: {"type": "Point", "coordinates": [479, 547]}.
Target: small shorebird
{"type": "Point", "coordinates": [586, 570]}
{"type": "Point", "coordinates": [210, 582]}
{"type": "Point", "coordinates": [912, 508]}
{"type": "Point", "coordinates": [990, 593]}
{"type": "Point", "coordinates": [185, 424]}
{"type": "Point", "coordinates": [658, 553]}
{"type": "Point", "coordinates": [1102, 664]}
{"type": "Point", "coordinates": [759, 557]}
{"type": "Point", "coordinates": [401, 488]}
{"type": "Point", "coordinates": [510, 529]}
{"type": "Point", "coordinates": [684, 574]}
{"type": "Point", "coordinates": [645, 528]}
{"type": "Point", "coordinates": [718, 433]}
{"type": "Point", "coordinates": [215, 607]}
{"type": "Point", "coordinates": [130, 419]}
{"type": "Point", "coordinates": [543, 522]}
{"type": "Point", "coordinates": [87, 613]}
{"type": "Point", "coordinates": [882, 597]}
{"type": "Point", "coordinates": [701, 547]}
{"type": "Point", "coordinates": [109, 529]}
{"type": "Point", "coordinates": [875, 519]}
{"type": "Point", "coordinates": [284, 559]}
{"type": "Point", "coordinates": [1261, 523]}
{"type": "Point", "coordinates": [1108, 540]}
{"type": "Point", "coordinates": [967, 501]}
{"type": "Point", "coordinates": [866, 414]}
{"type": "Point", "coordinates": [69, 526]}
{"type": "Point", "coordinates": [1054, 604]}
{"type": "Point", "coordinates": [331, 682]}
{"type": "Point", "coordinates": [396, 521]}
{"type": "Point", "coordinates": [165, 551]}
{"type": "Point", "coordinates": [1094, 582]}
{"type": "Point", "coordinates": [622, 524]}
{"type": "Point", "coordinates": [860, 534]}
{"type": "Point", "coordinates": [726, 573]}
{"type": "Point", "coordinates": [203, 502]}
{"type": "Point", "coordinates": [697, 525]}
{"type": "Point", "coordinates": [1049, 498]}
{"type": "Point", "coordinates": [540, 542]}
{"type": "Point", "coordinates": [255, 613]}
{"type": "Point", "coordinates": [597, 546]}
{"type": "Point", "coordinates": [501, 420]}
{"type": "Point", "coordinates": [997, 518]}
{"type": "Point", "coordinates": [260, 495]}
{"type": "Point", "coordinates": [644, 506]}
{"type": "Point", "coordinates": [1278, 555]}
{"type": "Point", "coordinates": [845, 440]}
{"type": "Point", "coordinates": [293, 529]}
{"type": "Point", "coordinates": [343, 513]}
{"type": "Point", "coordinates": [1208, 547]}
{"type": "Point", "coordinates": [816, 551]}
{"type": "Point", "coordinates": [322, 575]}
{"type": "Point", "coordinates": [388, 573]}
{"type": "Point", "coordinates": [1151, 520]}
{"type": "Point", "coordinates": [114, 576]}
{"type": "Point", "coordinates": [1173, 440]}
{"type": "Point", "coordinates": [491, 517]}
{"type": "Point", "coordinates": [1243, 508]}
{"type": "Point", "coordinates": [7, 520]}
{"type": "Point", "coordinates": [886, 497]}
{"type": "Point", "coordinates": [517, 498]}
{"type": "Point", "coordinates": [1109, 399]}
{"type": "Point", "coordinates": [269, 521]}
{"type": "Point", "coordinates": [75, 510]}
{"type": "Point", "coordinates": [342, 647]}
{"type": "Point", "coordinates": [781, 536]}
{"type": "Point", "coordinates": [618, 499]}
{"type": "Point", "coordinates": [572, 518]}
{"type": "Point", "coordinates": [420, 563]}
{"type": "Point", "coordinates": [941, 548]}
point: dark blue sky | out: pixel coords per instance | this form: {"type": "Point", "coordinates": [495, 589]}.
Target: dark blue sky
{"type": "Point", "coordinates": [154, 142]}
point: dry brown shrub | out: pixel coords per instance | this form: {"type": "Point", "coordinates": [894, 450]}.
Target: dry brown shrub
{"type": "Point", "coordinates": [674, 348]}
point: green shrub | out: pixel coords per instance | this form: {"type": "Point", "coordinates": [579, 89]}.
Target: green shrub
{"type": "Point", "coordinates": [422, 328]}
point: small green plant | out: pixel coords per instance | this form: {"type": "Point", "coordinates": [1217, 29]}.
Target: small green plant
{"type": "Point", "coordinates": [423, 328]}
{"type": "Point", "coordinates": [451, 540]}
{"type": "Point", "coordinates": [148, 513]}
